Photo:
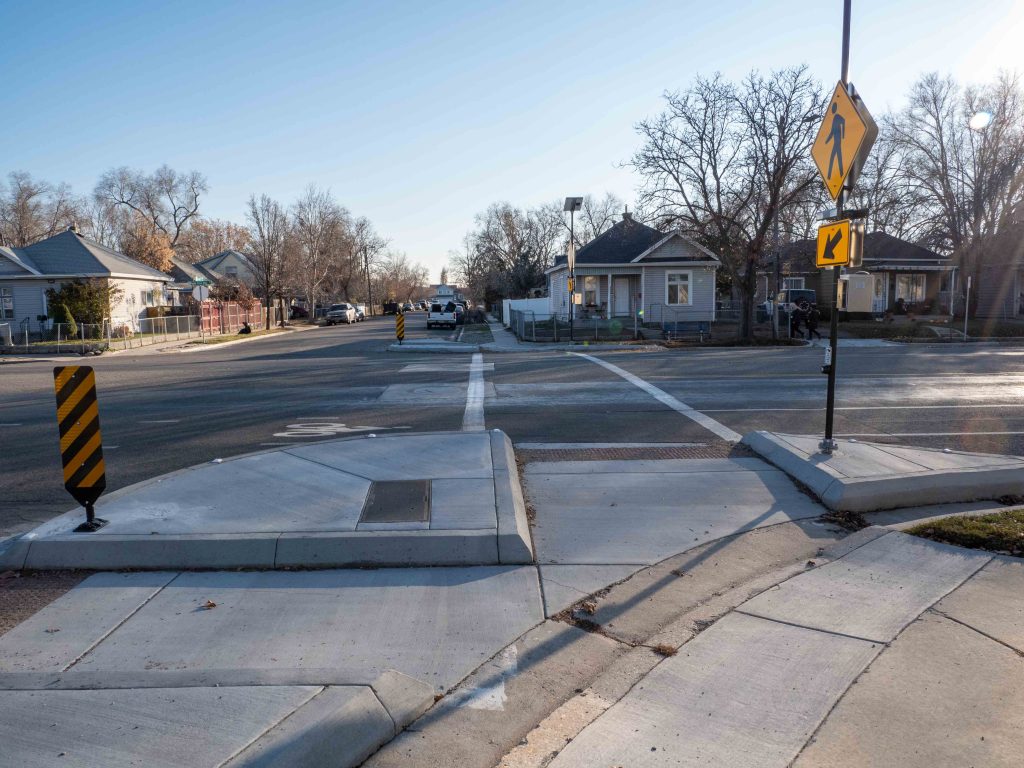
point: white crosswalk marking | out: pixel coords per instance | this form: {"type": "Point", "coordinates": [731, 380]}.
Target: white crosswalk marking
{"type": "Point", "coordinates": [473, 419]}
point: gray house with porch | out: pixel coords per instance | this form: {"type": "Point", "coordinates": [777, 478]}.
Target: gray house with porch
{"type": "Point", "coordinates": [632, 268]}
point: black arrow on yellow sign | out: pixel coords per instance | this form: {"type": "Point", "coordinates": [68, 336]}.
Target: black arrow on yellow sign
{"type": "Point", "coordinates": [830, 245]}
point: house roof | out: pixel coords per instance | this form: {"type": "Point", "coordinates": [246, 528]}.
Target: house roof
{"type": "Point", "coordinates": [629, 242]}
{"type": "Point", "coordinates": [21, 259]}
{"type": "Point", "coordinates": [184, 272]}
{"type": "Point", "coordinates": [213, 263]}
{"type": "Point", "coordinates": [72, 253]}
{"type": "Point", "coordinates": [881, 251]}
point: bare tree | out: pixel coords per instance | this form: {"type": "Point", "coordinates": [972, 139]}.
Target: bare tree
{"type": "Point", "coordinates": [139, 241]}
{"type": "Point", "coordinates": [968, 185]}
{"type": "Point", "coordinates": [267, 251]}
{"type": "Point", "coordinates": [517, 246]}
{"type": "Point", "coordinates": [400, 279]}
{"type": "Point", "coordinates": [723, 160]}
{"type": "Point", "coordinates": [320, 226]}
{"type": "Point", "coordinates": [368, 247]}
{"type": "Point", "coordinates": [595, 216]}
{"type": "Point", "coordinates": [32, 210]}
{"type": "Point", "coordinates": [166, 199]}
{"type": "Point", "coordinates": [206, 237]}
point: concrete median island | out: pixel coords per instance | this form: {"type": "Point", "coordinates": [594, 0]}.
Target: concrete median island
{"type": "Point", "coordinates": [868, 477]}
{"type": "Point", "coordinates": [453, 499]}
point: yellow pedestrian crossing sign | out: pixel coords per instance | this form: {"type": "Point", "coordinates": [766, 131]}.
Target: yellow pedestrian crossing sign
{"type": "Point", "coordinates": [844, 140]}
{"type": "Point", "coordinates": [833, 244]}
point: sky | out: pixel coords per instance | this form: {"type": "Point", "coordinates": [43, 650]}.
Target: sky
{"type": "Point", "coordinates": [419, 115]}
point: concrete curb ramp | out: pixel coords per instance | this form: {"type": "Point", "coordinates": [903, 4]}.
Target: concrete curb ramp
{"type": "Point", "coordinates": [301, 507]}
{"type": "Point", "coordinates": [867, 477]}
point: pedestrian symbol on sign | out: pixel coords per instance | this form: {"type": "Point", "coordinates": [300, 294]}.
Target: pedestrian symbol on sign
{"type": "Point", "coordinates": [836, 135]}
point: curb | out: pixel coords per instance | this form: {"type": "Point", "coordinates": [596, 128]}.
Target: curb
{"type": "Point", "coordinates": [340, 729]}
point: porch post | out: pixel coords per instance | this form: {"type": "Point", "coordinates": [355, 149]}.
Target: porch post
{"type": "Point", "coordinates": [610, 310]}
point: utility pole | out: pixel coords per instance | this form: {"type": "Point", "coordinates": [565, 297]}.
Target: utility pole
{"type": "Point", "coordinates": [829, 444]}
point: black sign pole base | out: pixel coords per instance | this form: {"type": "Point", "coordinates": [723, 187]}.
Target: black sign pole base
{"type": "Point", "coordinates": [92, 523]}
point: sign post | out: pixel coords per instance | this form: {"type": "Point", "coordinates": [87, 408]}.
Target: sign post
{"type": "Point", "coordinates": [400, 326]}
{"type": "Point", "coordinates": [81, 448]}
{"type": "Point", "coordinates": [842, 145]}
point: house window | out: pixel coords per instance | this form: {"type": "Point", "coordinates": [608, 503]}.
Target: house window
{"type": "Point", "coordinates": [677, 288]}
{"type": "Point", "coordinates": [910, 288]}
{"type": "Point", "coordinates": [795, 283]}
{"type": "Point", "coordinates": [591, 285]}
{"type": "Point", "coordinates": [6, 303]}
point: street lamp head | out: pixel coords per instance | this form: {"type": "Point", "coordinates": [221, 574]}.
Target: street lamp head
{"type": "Point", "coordinates": [573, 204]}
{"type": "Point", "coordinates": [980, 121]}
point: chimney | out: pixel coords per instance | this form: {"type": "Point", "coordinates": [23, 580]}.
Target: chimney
{"type": "Point", "coordinates": [627, 217]}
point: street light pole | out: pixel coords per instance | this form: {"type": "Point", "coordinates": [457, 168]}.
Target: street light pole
{"type": "Point", "coordinates": [829, 444]}
{"type": "Point", "coordinates": [572, 204]}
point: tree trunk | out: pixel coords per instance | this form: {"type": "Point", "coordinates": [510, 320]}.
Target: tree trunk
{"type": "Point", "coordinates": [748, 288]}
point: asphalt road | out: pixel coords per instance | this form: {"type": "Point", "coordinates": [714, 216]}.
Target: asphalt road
{"type": "Point", "coordinates": [162, 411]}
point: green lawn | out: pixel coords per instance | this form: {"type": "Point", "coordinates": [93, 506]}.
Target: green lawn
{"type": "Point", "coordinates": [1001, 532]}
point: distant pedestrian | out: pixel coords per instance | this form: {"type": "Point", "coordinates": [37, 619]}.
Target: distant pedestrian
{"type": "Point", "coordinates": [796, 319]}
{"type": "Point", "coordinates": [813, 316]}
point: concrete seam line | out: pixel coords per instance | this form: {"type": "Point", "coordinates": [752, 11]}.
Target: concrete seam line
{"type": "Point", "coordinates": [885, 646]}
{"type": "Point", "coordinates": [945, 615]}
{"type": "Point", "coordinates": [804, 626]}
{"type": "Point", "coordinates": [666, 399]}
{"type": "Point", "coordinates": [394, 723]}
{"type": "Point", "coordinates": [473, 419]}
{"type": "Point", "coordinates": [320, 463]}
{"type": "Point", "coordinates": [269, 728]}
{"type": "Point", "coordinates": [121, 623]}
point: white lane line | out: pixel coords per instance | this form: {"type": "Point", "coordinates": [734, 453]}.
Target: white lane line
{"type": "Point", "coordinates": [585, 446]}
{"type": "Point", "coordinates": [473, 419]}
{"type": "Point", "coordinates": [160, 421]}
{"type": "Point", "coordinates": [11, 424]}
{"type": "Point", "coordinates": [664, 397]}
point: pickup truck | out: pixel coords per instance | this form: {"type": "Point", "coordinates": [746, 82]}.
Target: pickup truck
{"type": "Point", "coordinates": [441, 314]}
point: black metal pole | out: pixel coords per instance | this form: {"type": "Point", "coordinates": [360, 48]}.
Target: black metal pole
{"type": "Point", "coordinates": [572, 275]}
{"type": "Point", "coordinates": [829, 443]}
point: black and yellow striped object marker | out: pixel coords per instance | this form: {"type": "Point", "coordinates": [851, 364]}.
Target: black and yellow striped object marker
{"type": "Point", "coordinates": [81, 447]}
{"type": "Point", "coordinates": [400, 327]}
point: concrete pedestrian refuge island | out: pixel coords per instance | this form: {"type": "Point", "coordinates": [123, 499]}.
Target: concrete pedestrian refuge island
{"type": "Point", "coordinates": [403, 500]}
{"type": "Point", "coordinates": [868, 477]}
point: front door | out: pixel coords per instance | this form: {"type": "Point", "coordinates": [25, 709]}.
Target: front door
{"type": "Point", "coordinates": [620, 289]}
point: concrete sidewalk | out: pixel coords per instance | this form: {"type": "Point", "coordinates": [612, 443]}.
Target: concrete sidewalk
{"type": "Point", "coordinates": [409, 499]}
{"type": "Point", "coordinates": [931, 634]}
{"type": "Point", "coordinates": [314, 668]}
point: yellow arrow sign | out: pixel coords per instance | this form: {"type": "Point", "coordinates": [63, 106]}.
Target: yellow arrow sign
{"type": "Point", "coordinates": [833, 244]}
{"type": "Point", "coordinates": [844, 139]}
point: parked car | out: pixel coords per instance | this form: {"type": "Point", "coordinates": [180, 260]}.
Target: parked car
{"type": "Point", "coordinates": [460, 312]}
{"type": "Point", "coordinates": [407, 306]}
{"type": "Point", "coordinates": [360, 312]}
{"type": "Point", "coordinates": [340, 313]}
{"type": "Point", "coordinates": [391, 308]}
{"type": "Point", "coordinates": [441, 315]}
{"type": "Point", "coordinates": [297, 313]}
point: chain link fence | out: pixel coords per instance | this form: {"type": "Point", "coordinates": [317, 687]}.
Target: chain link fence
{"type": "Point", "coordinates": [553, 327]}
{"type": "Point", "coordinates": [84, 338]}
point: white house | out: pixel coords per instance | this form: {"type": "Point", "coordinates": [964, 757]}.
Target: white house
{"type": "Point", "coordinates": [27, 273]}
{"type": "Point", "coordinates": [632, 268]}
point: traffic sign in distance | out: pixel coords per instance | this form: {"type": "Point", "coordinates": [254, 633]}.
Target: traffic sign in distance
{"type": "Point", "coordinates": [833, 244]}
{"type": "Point", "coordinates": [81, 447]}
{"type": "Point", "coordinates": [844, 140]}
{"type": "Point", "coordinates": [400, 326]}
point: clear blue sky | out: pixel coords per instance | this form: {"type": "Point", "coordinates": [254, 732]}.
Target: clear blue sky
{"type": "Point", "coordinates": [420, 114]}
